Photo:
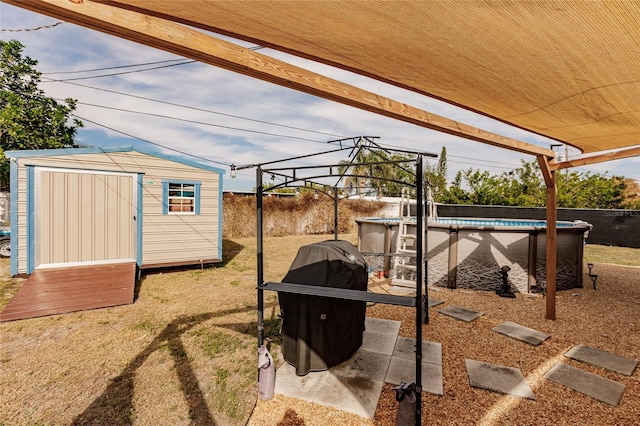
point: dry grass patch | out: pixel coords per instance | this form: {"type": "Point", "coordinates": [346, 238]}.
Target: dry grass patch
{"type": "Point", "coordinates": [184, 353]}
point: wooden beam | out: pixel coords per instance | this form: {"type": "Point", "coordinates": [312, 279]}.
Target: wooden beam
{"type": "Point", "coordinates": [552, 231]}
{"type": "Point", "coordinates": [600, 158]}
{"type": "Point", "coordinates": [187, 42]}
{"type": "Point", "coordinates": [545, 168]}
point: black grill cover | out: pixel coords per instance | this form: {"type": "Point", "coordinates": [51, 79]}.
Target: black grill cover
{"type": "Point", "coordinates": [321, 332]}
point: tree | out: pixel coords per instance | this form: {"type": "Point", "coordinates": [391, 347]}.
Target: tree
{"type": "Point", "coordinates": [586, 190]}
{"type": "Point", "coordinates": [28, 118]}
{"type": "Point", "coordinates": [524, 187]}
{"type": "Point", "coordinates": [454, 194]}
{"type": "Point", "coordinates": [377, 171]}
{"type": "Point", "coordinates": [436, 176]}
{"type": "Point", "coordinates": [631, 195]}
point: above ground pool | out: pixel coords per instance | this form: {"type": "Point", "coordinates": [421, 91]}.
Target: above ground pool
{"type": "Point", "coordinates": [471, 252]}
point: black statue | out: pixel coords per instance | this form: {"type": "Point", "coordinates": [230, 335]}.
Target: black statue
{"type": "Point", "coordinates": [504, 290]}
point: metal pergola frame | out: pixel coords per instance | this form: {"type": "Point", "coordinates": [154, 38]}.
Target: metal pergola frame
{"type": "Point", "coordinates": [291, 178]}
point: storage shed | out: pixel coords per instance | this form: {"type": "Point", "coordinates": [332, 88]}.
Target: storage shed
{"type": "Point", "coordinates": [100, 206]}
{"type": "Point", "coordinates": [92, 205]}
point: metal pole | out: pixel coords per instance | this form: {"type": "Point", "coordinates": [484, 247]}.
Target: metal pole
{"type": "Point", "coordinates": [387, 250]}
{"type": "Point", "coordinates": [532, 260]}
{"type": "Point", "coordinates": [259, 256]}
{"type": "Point", "coordinates": [335, 213]}
{"type": "Point", "coordinates": [419, 266]}
{"type": "Point", "coordinates": [452, 276]}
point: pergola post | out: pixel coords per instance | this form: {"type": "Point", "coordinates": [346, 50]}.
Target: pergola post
{"type": "Point", "coordinates": [259, 256]}
{"type": "Point", "coordinates": [420, 235]}
{"type": "Point", "coordinates": [552, 231]}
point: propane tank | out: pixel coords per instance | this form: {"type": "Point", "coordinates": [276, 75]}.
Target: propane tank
{"type": "Point", "coordinates": [267, 375]}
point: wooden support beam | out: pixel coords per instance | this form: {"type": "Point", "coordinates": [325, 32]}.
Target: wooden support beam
{"type": "Point", "coordinates": [187, 42]}
{"type": "Point", "coordinates": [600, 158]}
{"type": "Point", "coordinates": [552, 231]}
{"type": "Point", "coordinates": [545, 168]}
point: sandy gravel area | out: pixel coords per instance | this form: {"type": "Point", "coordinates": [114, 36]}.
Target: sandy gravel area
{"type": "Point", "coordinates": [607, 318]}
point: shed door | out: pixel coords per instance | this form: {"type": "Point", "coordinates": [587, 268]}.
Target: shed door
{"type": "Point", "coordinates": [84, 216]}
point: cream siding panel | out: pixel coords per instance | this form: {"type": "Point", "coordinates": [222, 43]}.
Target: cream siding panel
{"type": "Point", "coordinates": [179, 238]}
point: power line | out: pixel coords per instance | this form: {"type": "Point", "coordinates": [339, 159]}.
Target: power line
{"type": "Point", "coordinates": [69, 81]}
{"type": "Point", "coordinates": [196, 108]}
{"type": "Point", "coordinates": [116, 67]}
{"type": "Point", "coordinates": [149, 142]}
{"type": "Point", "coordinates": [41, 27]}
{"type": "Point", "coordinates": [124, 72]}
{"type": "Point", "coordinates": [200, 122]}
{"type": "Point", "coordinates": [491, 164]}
{"type": "Point", "coordinates": [494, 164]}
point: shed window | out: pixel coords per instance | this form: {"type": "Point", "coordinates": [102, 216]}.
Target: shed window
{"type": "Point", "coordinates": [181, 197]}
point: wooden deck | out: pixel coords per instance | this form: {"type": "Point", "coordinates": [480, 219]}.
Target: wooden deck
{"type": "Point", "coordinates": [68, 289]}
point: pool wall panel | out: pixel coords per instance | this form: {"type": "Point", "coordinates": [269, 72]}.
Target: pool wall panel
{"type": "Point", "coordinates": [482, 251]}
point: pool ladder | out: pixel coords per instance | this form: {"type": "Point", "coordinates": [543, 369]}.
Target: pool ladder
{"type": "Point", "coordinates": [404, 260]}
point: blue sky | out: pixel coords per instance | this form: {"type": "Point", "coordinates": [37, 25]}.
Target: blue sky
{"type": "Point", "coordinates": [219, 117]}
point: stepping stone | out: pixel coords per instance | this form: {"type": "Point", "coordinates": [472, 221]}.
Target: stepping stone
{"type": "Point", "coordinates": [403, 365]}
{"type": "Point", "coordinates": [597, 387]}
{"type": "Point", "coordinates": [434, 302]}
{"type": "Point", "coordinates": [498, 378]}
{"type": "Point", "coordinates": [520, 332]}
{"type": "Point", "coordinates": [404, 370]}
{"type": "Point", "coordinates": [460, 313]}
{"type": "Point", "coordinates": [406, 349]}
{"type": "Point", "coordinates": [599, 358]}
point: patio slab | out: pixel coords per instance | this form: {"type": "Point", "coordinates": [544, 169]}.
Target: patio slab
{"type": "Point", "coordinates": [600, 388]}
{"type": "Point", "coordinates": [380, 335]}
{"type": "Point", "coordinates": [460, 313]}
{"type": "Point", "coordinates": [353, 386]}
{"type": "Point", "coordinates": [522, 333]}
{"type": "Point", "coordinates": [343, 390]}
{"type": "Point", "coordinates": [599, 358]}
{"type": "Point", "coordinates": [404, 370]}
{"type": "Point", "coordinates": [406, 348]}
{"type": "Point", "coordinates": [403, 365]}
{"type": "Point", "coordinates": [498, 378]}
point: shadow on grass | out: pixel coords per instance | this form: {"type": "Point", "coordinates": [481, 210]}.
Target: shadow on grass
{"type": "Point", "coordinates": [115, 406]}
{"type": "Point", "coordinates": [230, 249]}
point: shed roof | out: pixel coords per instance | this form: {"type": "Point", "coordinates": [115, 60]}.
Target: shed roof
{"type": "Point", "coordinates": [106, 150]}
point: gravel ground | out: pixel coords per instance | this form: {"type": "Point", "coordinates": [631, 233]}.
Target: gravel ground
{"type": "Point", "coordinates": [608, 319]}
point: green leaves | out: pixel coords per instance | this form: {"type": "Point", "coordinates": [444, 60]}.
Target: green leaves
{"type": "Point", "coordinates": [525, 187]}
{"type": "Point", "coordinates": [28, 118]}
